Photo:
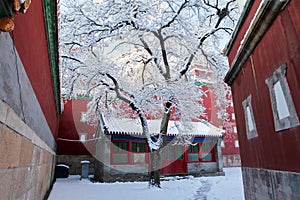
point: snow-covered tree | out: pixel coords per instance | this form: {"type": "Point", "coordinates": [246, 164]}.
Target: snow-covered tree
{"type": "Point", "coordinates": [138, 53]}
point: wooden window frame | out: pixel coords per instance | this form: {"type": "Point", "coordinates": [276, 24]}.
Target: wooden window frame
{"type": "Point", "coordinates": [247, 104]}
{"type": "Point", "coordinates": [174, 149]}
{"type": "Point", "coordinates": [129, 153]}
{"type": "Point", "coordinates": [212, 151]}
{"type": "Point", "coordinates": [113, 152]}
{"type": "Point", "coordinates": [200, 153]}
{"type": "Point", "coordinates": [292, 120]}
{"type": "Point", "coordinates": [138, 153]}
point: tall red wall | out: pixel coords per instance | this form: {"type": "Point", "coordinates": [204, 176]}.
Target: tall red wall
{"type": "Point", "coordinates": [211, 106]}
{"type": "Point", "coordinates": [29, 37]}
{"type": "Point", "coordinates": [280, 44]}
{"type": "Point", "coordinates": [70, 127]}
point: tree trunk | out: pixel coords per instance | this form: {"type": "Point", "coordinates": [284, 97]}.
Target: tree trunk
{"type": "Point", "coordinates": [155, 165]}
{"type": "Point", "coordinates": [155, 155]}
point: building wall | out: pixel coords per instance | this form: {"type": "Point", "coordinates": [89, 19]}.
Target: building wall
{"type": "Point", "coordinates": [70, 127]}
{"type": "Point", "coordinates": [269, 146]}
{"type": "Point", "coordinates": [229, 149]}
{"type": "Point", "coordinates": [26, 161]}
{"type": "Point", "coordinates": [16, 91]}
{"type": "Point", "coordinates": [270, 184]}
{"type": "Point", "coordinates": [28, 120]}
{"type": "Point", "coordinates": [29, 37]}
{"type": "Point", "coordinates": [74, 162]}
{"type": "Point", "coordinates": [27, 145]}
{"type": "Point", "coordinates": [269, 162]}
{"type": "Point", "coordinates": [203, 168]}
{"type": "Point", "coordinates": [69, 151]}
{"type": "Point", "coordinates": [231, 160]}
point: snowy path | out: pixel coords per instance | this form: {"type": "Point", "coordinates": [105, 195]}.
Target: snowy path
{"type": "Point", "coordinates": [228, 187]}
{"type": "Point", "coordinates": [201, 193]}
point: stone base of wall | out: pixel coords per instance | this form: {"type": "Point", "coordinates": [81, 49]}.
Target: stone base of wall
{"type": "Point", "coordinates": [270, 184]}
{"type": "Point", "coordinates": [233, 160]}
{"type": "Point", "coordinates": [26, 161]}
{"type": "Point", "coordinates": [74, 162]}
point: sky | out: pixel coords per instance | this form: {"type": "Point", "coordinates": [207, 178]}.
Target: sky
{"type": "Point", "coordinates": [228, 187]}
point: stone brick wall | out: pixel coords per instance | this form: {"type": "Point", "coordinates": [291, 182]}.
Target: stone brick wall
{"type": "Point", "coordinates": [26, 161]}
{"type": "Point", "coordinates": [232, 160]}
{"type": "Point", "coordinates": [74, 162]}
{"type": "Point", "coordinates": [270, 184]}
{"type": "Point", "coordinates": [27, 145]}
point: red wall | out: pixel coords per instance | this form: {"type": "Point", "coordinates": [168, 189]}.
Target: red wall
{"type": "Point", "coordinates": [30, 40]}
{"type": "Point", "coordinates": [230, 136]}
{"type": "Point", "coordinates": [271, 150]}
{"type": "Point", "coordinates": [211, 116]}
{"type": "Point", "coordinates": [70, 127]}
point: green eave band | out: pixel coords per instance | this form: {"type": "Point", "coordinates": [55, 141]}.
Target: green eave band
{"type": "Point", "coordinates": [50, 15]}
{"type": "Point", "coordinates": [6, 8]}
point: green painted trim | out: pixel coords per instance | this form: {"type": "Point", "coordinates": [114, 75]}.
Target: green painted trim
{"type": "Point", "coordinates": [6, 8]}
{"type": "Point", "coordinates": [50, 15]}
{"type": "Point", "coordinates": [83, 98]}
{"type": "Point", "coordinates": [199, 83]}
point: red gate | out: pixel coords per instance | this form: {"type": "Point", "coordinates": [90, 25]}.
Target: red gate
{"type": "Point", "coordinates": [173, 160]}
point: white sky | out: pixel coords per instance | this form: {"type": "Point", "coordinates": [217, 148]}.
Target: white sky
{"type": "Point", "coordinates": [209, 188]}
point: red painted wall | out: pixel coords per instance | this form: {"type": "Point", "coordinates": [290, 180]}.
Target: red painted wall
{"type": "Point", "coordinates": [270, 150]}
{"type": "Point", "coordinates": [212, 108]}
{"type": "Point", "coordinates": [228, 125]}
{"type": "Point", "coordinates": [230, 135]}
{"type": "Point", "coordinates": [70, 127]}
{"type": "Point", "coordinates": [30, 40]}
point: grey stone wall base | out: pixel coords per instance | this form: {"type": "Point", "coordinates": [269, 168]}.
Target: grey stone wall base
{"type": "Point", "coordinates": [74, 162]}
{"type": "Point", "coordinates": [202, 168]}
{"type": "Point", "coordinates": [232, 160]}
{"type": "Point", "coordinates": [145, 177]}
{"type": "Point", "coordinates": [125, 178]}
{"type": "Point", "coordinates": [270, 184]}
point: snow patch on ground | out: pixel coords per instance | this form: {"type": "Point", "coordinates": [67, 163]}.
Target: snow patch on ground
{"type": "Point", "coordinates": [200, 188]}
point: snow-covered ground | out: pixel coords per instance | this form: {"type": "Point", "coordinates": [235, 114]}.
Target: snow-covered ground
{"type": "Point", "coordinates": [228, 187]}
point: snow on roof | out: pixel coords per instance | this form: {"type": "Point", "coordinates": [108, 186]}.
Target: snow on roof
{"type": "Point", "coordinates": [63, 165]}
{"type": "Point", "coordinates": [133, 127]}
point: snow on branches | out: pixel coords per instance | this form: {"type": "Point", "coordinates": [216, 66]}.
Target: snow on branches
{"type": "Point", "coordinates": [134, 56]}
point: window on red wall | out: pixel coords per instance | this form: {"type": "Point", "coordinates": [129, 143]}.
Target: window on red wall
{"type": "Point", "coordinates": [202, 152]}
{"type": "Point", "coordinates": [207, 151]}
{"type": "Point", "coordinates": [172, 152]}
{"type": "Point", "coordinates": [193, 153]}
{"type": "Point", "coordinates": [120, 152]}
{"type": "Point", "coordinates": [138, 152]}
{"type": "Point", "coordinates": [128, 152]}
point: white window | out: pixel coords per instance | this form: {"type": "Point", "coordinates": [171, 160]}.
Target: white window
{"type": "Point", "coordinates": [236, 144]}
{"type": "Point", "coordinates": [249, 118]}
{"type": "Point", "coordinates": [283, 108]}
{"type": "Point", "coordinates": [222, 144]}
{"type": "Point", "coordinates": [83, 117]}
{"type": "Point", "coordinates": [82, 137]}
{"type": "Point", "coordinates": [233, 116]}
{"type": "Point", "coordinates": [281, 104]}
{"type": "Point", "coordinates": [234, 129]}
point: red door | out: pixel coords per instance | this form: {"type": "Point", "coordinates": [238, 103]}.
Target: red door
{"type": "Point", "coordinates": [173, 160]}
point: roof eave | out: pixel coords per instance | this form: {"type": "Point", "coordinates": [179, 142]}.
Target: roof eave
{"type": "Point", "coordinates": [263, 19]}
